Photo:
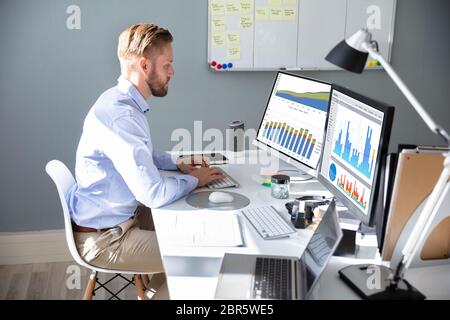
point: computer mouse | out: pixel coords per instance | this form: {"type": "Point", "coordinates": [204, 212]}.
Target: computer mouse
{"type": "Point", "coordinates": [220, 197]}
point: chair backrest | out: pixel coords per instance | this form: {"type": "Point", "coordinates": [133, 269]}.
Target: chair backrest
{"type": "Point", "coordinates": [64, 181]}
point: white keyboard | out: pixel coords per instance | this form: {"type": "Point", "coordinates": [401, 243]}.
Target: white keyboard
{"type": "Point", "coordinates": [268, 222]}
{"type": "Point", "coordinates": [227, 182]}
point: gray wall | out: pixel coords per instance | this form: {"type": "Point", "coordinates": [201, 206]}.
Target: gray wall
{"type": "Point", "coordinates": [50, 76]}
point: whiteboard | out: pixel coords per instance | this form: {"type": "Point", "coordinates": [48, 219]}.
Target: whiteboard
{"type": "Point", "coordinates": [291, 34]}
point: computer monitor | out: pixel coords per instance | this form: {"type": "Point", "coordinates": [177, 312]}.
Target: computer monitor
{"type": "Point", "coordinates": [293, 124]}
{"type": "Point", "coordinates": [354, 151]}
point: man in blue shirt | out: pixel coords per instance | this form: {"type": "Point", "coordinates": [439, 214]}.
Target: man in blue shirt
{"type": "Point", "coordinates": [117, 167]}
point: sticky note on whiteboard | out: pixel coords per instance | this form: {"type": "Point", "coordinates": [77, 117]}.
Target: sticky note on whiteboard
{"type": "Point", "coordinates": [234, 53]}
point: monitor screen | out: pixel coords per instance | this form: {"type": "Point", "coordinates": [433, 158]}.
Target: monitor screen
{"type": "Point", "coordinates": [356, 142]}
{"type": "Point", "coordinates": [294, 121]}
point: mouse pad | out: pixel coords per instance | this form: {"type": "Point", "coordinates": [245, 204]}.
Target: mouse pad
{"type": "Point", "coordinates": [200, 200]}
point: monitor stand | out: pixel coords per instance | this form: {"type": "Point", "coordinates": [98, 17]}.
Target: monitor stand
{"type": "Point", "coordinates": [351, 227]}
{"type": "Point", "coordinates": [296, 175]}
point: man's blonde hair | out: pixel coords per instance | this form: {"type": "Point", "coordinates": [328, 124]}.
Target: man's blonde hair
{"type": "Point", "coordinates": [141, 39]}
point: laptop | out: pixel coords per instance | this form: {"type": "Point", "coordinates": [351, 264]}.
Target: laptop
{"type": "Point", "coordinates": [276, 277]}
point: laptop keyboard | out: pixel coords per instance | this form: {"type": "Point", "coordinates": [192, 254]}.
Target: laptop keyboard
{"type": "Point", "coordinates": [273, 279]}
{"type": "Point", "coordinates": [268, 222]}
{"type": "Point", "coordinates": [227, 182]}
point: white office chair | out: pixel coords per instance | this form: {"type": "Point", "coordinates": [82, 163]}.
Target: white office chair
{"type": "Point", "coordinates": [64, 181]}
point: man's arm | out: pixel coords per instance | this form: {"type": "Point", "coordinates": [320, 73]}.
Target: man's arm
{"type": "Point", "coordinates": [131, 152]}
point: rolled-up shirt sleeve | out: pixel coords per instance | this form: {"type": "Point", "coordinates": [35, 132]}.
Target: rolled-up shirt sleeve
{"type": "Point", "coordinates": [131, 151]}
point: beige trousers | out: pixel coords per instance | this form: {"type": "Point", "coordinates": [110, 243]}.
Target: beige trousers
{"type": "Point", "coordinates": [132, 246]}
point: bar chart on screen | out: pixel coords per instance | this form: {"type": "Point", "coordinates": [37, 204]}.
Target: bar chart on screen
{"type": "Point", "coordinates": [354, 141]}
{"type": "Point", "coordinates": [354, 188]}
{"type": "Point", "coordinates": [298, 141]}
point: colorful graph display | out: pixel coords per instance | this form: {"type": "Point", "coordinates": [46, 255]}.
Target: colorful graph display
{"type": "Point", "coordinates": [351, 146]}
{"type": "Point", "coordinates": [353, 189]}
{"type": "Point", "coordinates": [295, 117]}
{"type": "Point", "coordinates": [350, 185]}
{"type": "Point", "coordinates": [361, 161]}
{"type": "Point", "coordinates": [316, 100]}
{"type": "Point", "coordinates": [299, 141]}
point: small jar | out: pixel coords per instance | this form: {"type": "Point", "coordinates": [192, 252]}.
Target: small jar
{"type": "Point", "coordinates": [280, 186]}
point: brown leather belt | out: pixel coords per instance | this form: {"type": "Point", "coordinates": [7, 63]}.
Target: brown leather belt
{"type": "Point", "coordinates": [78, 228]}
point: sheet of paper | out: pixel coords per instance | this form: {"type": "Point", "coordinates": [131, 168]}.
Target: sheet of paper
{"type": "Point", "coordinates": [262, 13]}
{"type": "Point", "coordinates": [218, 38]}
{"type": "Point", "coordinates": [233, 38]}
{"type": "Point", "coordinates": [289, 13]}
{"type": "Point", "coordinates": [276, 13]}
{"type": "Point", "coordinates": [203, 229]}
{"type": "Point", "coordinates": [217, 8]}
{"type": "Point", "coordinates": [234, 53]}
{"type": "Point", "coordinates": [246, 22]}
{"type": "Point", "coordinates": [218, 24]}
{"type": "Point", "coordinates": [246, 7]}
{"type": "Point", "coordinates": [232, 7]}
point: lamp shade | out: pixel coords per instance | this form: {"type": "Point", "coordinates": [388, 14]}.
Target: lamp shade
{"type": "Point", "coordinates": [347, 57]}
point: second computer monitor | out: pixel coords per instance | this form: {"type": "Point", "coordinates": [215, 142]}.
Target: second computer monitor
{"type": "Point", "coordinates": [355, 146]}
{"type": "Point", "coordinates": [293, 124]}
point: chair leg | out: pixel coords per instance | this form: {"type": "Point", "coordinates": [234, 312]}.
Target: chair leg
{"type": "Point", "coordinates": [145, 280]}
{"type": "Point", "coordinates": [138, 287]}
{"type": "Point", "coordinates": [90, 286]}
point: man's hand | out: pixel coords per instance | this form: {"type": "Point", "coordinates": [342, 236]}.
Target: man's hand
{"type": "Point", "coordinates": [207, 175]}
{"type": "Point", "coordinates": [189, 163]}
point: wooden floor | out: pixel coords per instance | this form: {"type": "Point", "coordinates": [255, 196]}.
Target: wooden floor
{"type": "Point", "coordinates": [47, 281]}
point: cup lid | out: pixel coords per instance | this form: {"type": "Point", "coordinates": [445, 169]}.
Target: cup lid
{"type": "Point", "coordinates": [280, 179]}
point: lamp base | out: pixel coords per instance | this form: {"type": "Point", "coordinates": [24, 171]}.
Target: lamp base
{"type": "Point", "coordinates": [372, 282]}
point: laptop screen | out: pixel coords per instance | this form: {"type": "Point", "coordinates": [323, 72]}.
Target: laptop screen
{"type": "Point", "coordinates": [320, 248]}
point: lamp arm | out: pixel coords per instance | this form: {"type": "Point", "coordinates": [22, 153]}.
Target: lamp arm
{"type": "Point", "coordinates": [440, 190]}
{"type": "Point", "coordinates": [407, 93]}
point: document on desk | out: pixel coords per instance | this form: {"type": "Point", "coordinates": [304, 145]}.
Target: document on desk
{"type": "Point", "coordinates": [202, 229]}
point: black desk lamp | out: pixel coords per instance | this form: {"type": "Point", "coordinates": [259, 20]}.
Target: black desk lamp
{"type": "Point", "coordinates": [351, 54]}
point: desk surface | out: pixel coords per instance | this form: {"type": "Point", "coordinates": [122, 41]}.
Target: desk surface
{"type": "Point", "coordinates": [192, 271]}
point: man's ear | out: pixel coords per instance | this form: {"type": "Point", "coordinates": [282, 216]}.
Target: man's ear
{"type": "Point", "coordinates": [144, 65]}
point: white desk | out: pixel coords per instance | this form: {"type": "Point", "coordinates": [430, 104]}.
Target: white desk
{"type": "Point", "coordinates": [192, 271]}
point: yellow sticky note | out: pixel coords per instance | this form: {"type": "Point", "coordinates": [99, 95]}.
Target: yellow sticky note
{"type": "Point", "coordinates": [218, 38]}
{"type": "Point", "coordinates": [217, 8]}
{"type": "Point", "coordinates": [232, 7]}
{"type": "Point", "coordinates": [262, 13]}
{"type": "Point", "coordinates": [276, 13]}
{"type": "Point", "coordinates": [246, 7]}
{"type": "Point", "coordinates": [218, 23]}
{"type": "Point", "coordinates": [290, 2]}
{"type": "Point", "coordinates": [274, 2]}
{"type": "Point", "coordinates": [246, 22]}
{"type": "Point", "coordinates": [234, 53]}
{"type": "Point", "coordinates": [233, 39]}
{"type": "Point", "coordinates": [289, 13]}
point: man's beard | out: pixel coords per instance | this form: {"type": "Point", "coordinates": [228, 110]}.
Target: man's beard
{"type": "Point", "coordinates": [157, 88]}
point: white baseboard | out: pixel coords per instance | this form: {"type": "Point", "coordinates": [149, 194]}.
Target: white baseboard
{"type": "Point", "coordinates": [33, 247]}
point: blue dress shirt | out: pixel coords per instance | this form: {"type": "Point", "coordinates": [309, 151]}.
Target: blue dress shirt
{"type": "Point", "coordinates": [116, 166]}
